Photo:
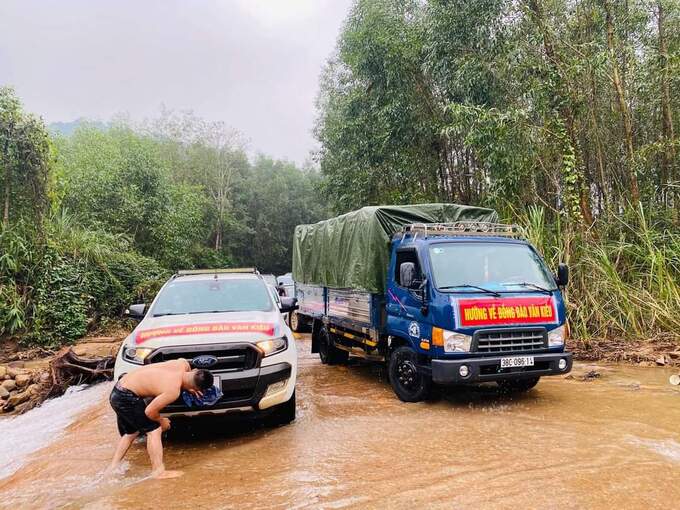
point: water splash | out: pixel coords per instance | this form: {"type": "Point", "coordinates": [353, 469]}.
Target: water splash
{"type": "Point", "coordinates": [668, 448]}
{"type": "Point", "coordinates": [26, 433]}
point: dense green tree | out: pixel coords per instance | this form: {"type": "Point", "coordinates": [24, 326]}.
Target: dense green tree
{"type": "Point", "coordinates": [562, 103]}
{"type": "Point", "coordinates": [24, 160]}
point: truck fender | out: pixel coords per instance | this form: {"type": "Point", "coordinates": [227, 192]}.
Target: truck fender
{"type": "Point", "coordinates": [394, 342]}
{"type": "Point", "coordinates": [316, 327]}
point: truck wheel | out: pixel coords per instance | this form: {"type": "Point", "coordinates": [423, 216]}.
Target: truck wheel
{"type": "Point", "coordinates": [295, 322]}
{"type": "Point", "coordinates": [407, 381]}
{"type": "Point", "coordinates": [283, 414]}
{"type": "Point", "coordinates": [329, 353]}
{"type": "Point", "coordinates": [519, 386]}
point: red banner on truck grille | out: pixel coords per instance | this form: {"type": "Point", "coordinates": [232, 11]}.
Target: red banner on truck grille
{"type": "Point", "coordinates": [205, 329]}
{"type": "Point", "coordinates": [505, 311]}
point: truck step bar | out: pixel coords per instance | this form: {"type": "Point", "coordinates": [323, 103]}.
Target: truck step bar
{"type": "Point", "coordinates": [360, 353]}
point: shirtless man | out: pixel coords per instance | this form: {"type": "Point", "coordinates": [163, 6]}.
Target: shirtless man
{"type": "Point", "coordinates": [163, 382]}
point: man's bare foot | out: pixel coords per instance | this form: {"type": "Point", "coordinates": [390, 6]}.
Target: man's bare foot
{"type": "Point", "coordinates": [162, 475]}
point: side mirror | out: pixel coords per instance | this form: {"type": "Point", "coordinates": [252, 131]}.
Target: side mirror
{"type": "Point", "coordinates": [562, 275]}
{"type": "Point", "coordinates": [288, 304]}
{"type": "Point", "coordinates": [136, 311]}
{"type": "Point", "coordinates": [407, 274]}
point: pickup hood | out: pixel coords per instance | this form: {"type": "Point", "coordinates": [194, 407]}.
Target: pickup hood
{"type": "Point", "coordinates": [212, 328]}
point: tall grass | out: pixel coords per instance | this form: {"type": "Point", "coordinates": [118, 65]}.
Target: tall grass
{"type": "Point", "coordinates": [60, 281]}
{"type": "Point", "coordinates": [625, 274]}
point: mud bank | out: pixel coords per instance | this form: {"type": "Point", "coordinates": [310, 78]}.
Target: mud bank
{"type": "Point", "coordinates": [660, 351]}
{"type": "Point", "coordinates": [29, 377]}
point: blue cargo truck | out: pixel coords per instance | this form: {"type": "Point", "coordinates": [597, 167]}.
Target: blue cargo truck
{"type": "Point", "coordinates": [440, 293]}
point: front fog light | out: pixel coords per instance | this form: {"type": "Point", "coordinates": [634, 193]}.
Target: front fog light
{"type": "Point", "coordinates": [269, 347]}
{"type": "Point", "coordinates": [276, 387]}
{"type": "Point", "coordinates": [562, 364]}
{"type": "Point", "coordinates": [136, 355]}
{"type": "Point", "coordinates": [464, 371]}
{"type": "Point", "coordinates": [556, 337]}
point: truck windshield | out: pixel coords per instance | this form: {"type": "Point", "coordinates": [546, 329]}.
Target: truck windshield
{"type": "Point", "coordinates": [213, 296]}
{"type": "Point", "coordinates": [502, 267]}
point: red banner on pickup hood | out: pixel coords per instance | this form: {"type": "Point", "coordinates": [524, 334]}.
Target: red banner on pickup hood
{"type": "Point", "coordinates": [505, 311]}
{"type": "Point", "coordinates": [205, 329]}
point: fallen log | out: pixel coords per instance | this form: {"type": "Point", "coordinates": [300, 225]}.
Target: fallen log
{"type": "Point", "coordinates": [68, 369]}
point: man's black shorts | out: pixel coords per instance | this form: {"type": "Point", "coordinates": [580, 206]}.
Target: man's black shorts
{"type": "Point", "coordinates": [130, 412]}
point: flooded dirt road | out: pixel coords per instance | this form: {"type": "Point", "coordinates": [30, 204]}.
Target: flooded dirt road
{"type": "Point", "coordinates": [611, 442]}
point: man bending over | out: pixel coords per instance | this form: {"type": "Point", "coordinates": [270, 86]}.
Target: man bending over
{"type": "Point", "coordinates": [162, 382]}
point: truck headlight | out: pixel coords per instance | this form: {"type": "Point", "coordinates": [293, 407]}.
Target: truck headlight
{"type": "Point", "coordinates": [136, 355]}
{"type": "Point", "coordinates": [451, 341]}
{"type": "Point", "coordinates": [273, 346]}
{"type": "Point", "coordinates": [557, 337]}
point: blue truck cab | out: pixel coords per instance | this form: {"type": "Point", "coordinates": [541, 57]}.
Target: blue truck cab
{"type": "Point", "coordinates": [463, 303]}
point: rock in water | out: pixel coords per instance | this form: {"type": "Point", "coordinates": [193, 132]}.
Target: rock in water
{"type": "Point", "coordinates": [675, 380]}
{"type": "Point", "coordinates": [14, 371]}
{"type": "Point", "coordinates": [22, 380]}
{"type": "Point", "coordinates": [3, 371]}
{"type": "Point", "coordinates": [9, 384]}
{"type": "Point", "coordinates": [3, 392]}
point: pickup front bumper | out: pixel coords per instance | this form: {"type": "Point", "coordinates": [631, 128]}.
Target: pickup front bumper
{"type": "Point", "coordinates": [243, 391]}
{"type": "Point", "coordinates": [485, 369]}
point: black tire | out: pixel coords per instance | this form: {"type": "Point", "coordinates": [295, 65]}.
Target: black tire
{"type": "Point", "coordinates": [328, 352]}
{"type": "Point", "coordinates": [407, 381]}
{"type": "Point", "coordinates": [296, 322]}
{"type": "Point", "coordinates": [283, 414]}
{"type": "Point", "coordinates": [518, 386]}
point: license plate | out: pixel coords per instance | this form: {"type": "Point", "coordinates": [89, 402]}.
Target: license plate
{"type": "Point", "coordinates": [517, 361]}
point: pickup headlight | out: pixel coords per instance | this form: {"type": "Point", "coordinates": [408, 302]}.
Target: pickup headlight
{"type": "Point", "coordinates": [450, 340]}
{"type": "Point", "coordinates": [273, 346]}
{"type": "Point", "coordinates": [557, 336]}
{"type": "Point", "coordinates": [136, 355]}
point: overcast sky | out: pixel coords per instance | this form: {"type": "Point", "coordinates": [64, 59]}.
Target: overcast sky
{"type": "Point", "coordinates": [253, 64]}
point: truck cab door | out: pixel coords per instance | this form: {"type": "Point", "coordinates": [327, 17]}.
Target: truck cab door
{"type": "Point", "coordinates": [405, 302]}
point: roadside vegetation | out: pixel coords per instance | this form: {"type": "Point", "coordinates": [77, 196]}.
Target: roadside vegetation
{"type": "Point", "coordinates": [557, 113]}
{"type": "Point", "coordinates": [96, 220]}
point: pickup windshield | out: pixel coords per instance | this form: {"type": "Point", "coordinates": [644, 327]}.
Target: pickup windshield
{"type": "Point", "coordinates": [501, 267]}
{"type": "Point", "coordinates": [213, 296]}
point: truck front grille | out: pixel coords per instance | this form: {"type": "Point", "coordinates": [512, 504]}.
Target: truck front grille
{"type": "Point", "coordinates": [503, 341]}
{"type": "Point", "coordinates": [230, 357]}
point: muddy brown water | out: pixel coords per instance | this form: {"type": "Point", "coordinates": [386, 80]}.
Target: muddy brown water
{"type": "Point", "coordinates": [612, 442]}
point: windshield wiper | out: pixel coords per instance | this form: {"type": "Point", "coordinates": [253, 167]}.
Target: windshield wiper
{"type": "Point", "coordinates": [209, 311]}
{"type": "Point", "coordinates": [532, 285]}
{"type": "Point", "coordinates": [189, 313]}
{"type": "Point", "coordinates": [468, 286]}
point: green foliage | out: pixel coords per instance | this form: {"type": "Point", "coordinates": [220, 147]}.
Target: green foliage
{"type": "Point", "coordinates": [128, 206]}
{"type": "Point", "coordinates": [24, 160]}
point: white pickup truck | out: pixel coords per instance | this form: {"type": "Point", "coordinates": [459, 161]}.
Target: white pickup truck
{"type": "Point", "coordinates": [225, 321]}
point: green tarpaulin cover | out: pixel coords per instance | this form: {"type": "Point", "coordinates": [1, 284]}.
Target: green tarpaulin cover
{"type": "Point", "coordinates": [352, 250]}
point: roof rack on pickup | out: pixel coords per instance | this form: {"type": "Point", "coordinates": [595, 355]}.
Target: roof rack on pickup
{"type": "Point", "coordinates": [190, 272]}
{"type": "Point", "coordinates": [464, 228]}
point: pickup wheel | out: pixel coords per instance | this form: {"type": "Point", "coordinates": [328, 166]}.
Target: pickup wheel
{"type": "Point", "coordinates": [283, 414]}
{"type": "Point", "coordinates": [518, 386]}
{"type": "Point", "coordinates": [407, 381]}
{"type": "Point", "coordinates": [329, 353]}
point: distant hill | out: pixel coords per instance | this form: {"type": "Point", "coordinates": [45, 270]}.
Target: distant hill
{"type": "Point", "coordinates": [67, 128]}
